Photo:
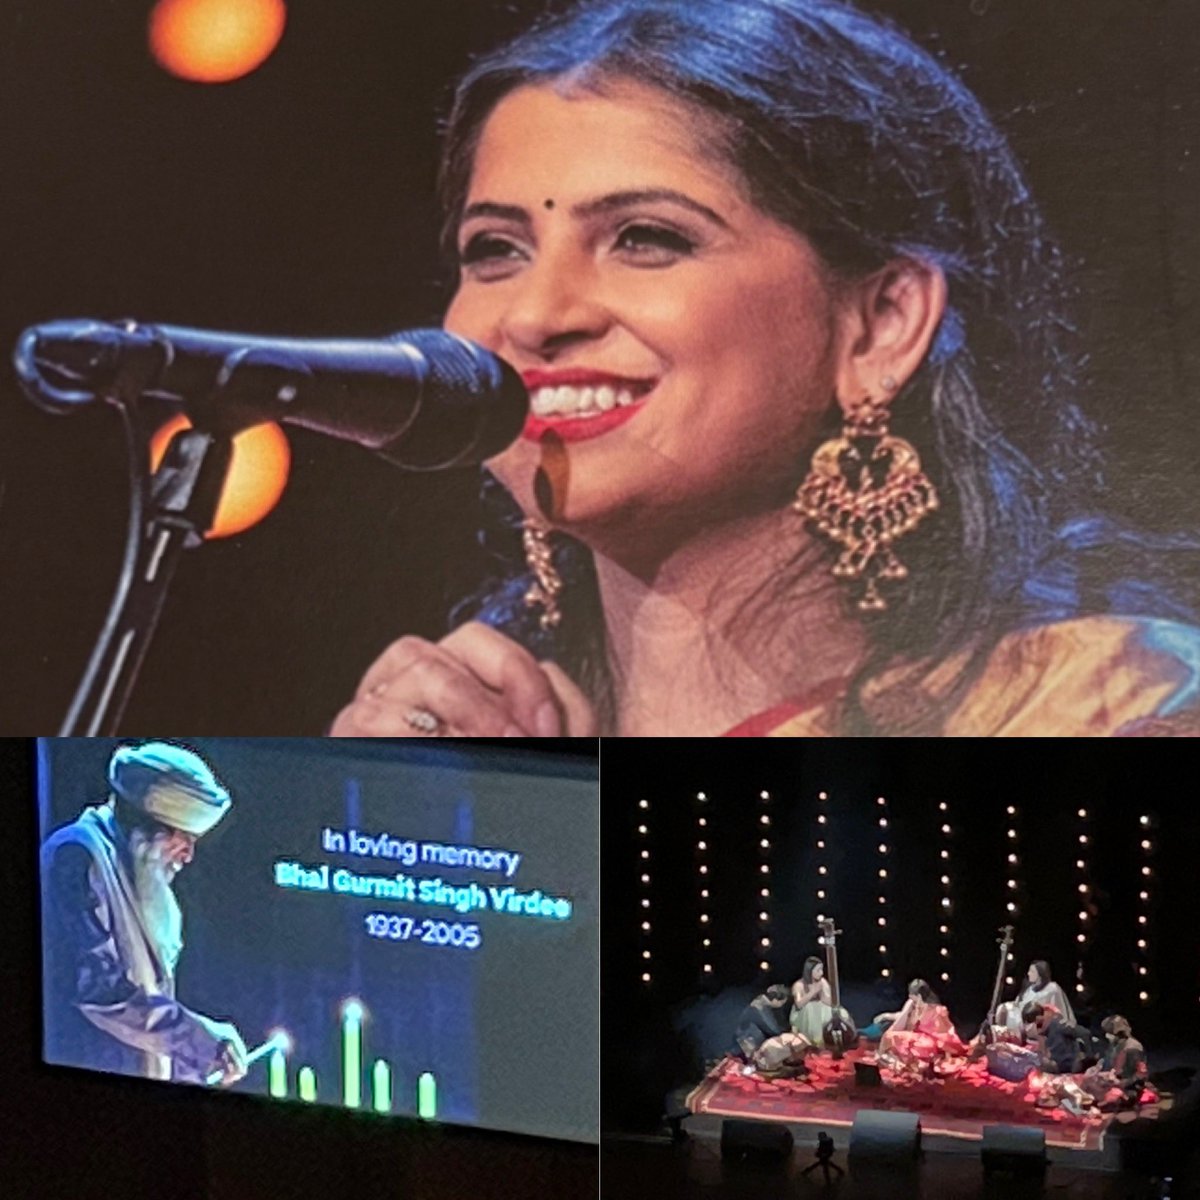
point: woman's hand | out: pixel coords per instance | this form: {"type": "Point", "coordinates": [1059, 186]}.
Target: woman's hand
{"type": "Point", "coordinates": [475, 682]}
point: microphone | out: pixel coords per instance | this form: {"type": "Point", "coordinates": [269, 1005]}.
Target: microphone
{"type": "Point", "coordinates": [424, 399]}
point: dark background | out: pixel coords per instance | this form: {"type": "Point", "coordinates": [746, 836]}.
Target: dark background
{"type": "Point", "coordinates": [300, 200]}
{"type": "Point", "coordinates": [657, 1037]}
{"type": "Point", "coordinates": [78, 1134]}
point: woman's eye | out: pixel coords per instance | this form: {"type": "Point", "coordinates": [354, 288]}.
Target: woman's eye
{"type": "Point", "coordinates": [489, 254]}
{"type": "Point", "coordinates": [654, 245]}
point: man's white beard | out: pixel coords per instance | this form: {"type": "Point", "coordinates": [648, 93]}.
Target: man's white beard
{"type": "Point", "coordinates": [152, 877]}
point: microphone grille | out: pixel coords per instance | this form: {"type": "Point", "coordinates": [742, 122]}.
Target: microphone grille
{"type": "Point", "coordinates": [472, 404]}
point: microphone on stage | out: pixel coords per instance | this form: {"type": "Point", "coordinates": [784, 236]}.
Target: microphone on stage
{"type": "Point", "coordinates": [424, 399]}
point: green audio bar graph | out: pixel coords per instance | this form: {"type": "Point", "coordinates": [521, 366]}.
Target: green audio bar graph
{"type": "Point", "coordinates": [352, 1015]}
{"type": "Point", "coordinates": [382, 1091]}
{"type": "Point", "coordinates": [277, 1074]}
{"type": "Point", "coordinates": [381, 1086]}
{"type": "Point", "coordinates": [427, 1097]}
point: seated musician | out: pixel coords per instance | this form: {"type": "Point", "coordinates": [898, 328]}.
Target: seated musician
{"type": "Point", "coordinates": [885, 1020]}
{"type": "Point", "coordinates": [1039, 987]}
{"type": "Point", "coordinates": [765, 1017]}
{"type": "Point", "coordinates": [1115, 1082]}
{"type": "Point", "coordinates": [1126, 1056]}
{"type": "Point", "coordinates": [1057, 1050]}
{"type": "Point", "coordinates": [764, 1040]}
{"type": "Point", "coordinates": [921, 1038]}
{"type": "Point", "coordinates": [782, 1057]}
{"type": "Point", "coordinates": [1124, 1063]}
{"type": "Point", "coordinates": [1060, 1042]}
{"type": "Point", "coordinates": [812, 1002]}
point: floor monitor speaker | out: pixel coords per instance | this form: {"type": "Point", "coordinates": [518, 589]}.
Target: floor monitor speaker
{"type": "Point", "coordinates": [893, 1137]}
{"type": "Point", "coordinates": [755, 1139]}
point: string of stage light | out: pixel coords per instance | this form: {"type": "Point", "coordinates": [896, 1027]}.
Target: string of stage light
{"type": "Point", "coordinates": [1084, 888]}
{"type": "Point", "coordinates": [946, 900]}
{"type": "Point", "coordinates": [703, 884]}
{"type": "Point", "coordinates": [643, 862]}
{"type": "Point", "coordinates": [764, 912]}
{"type": "Point", "coordinates": [1013, 882]}
{"type": "Point", "coordinates": [881, 920]}
{"type": "Point", "coordinates": [884, 848]}
{"type": "Point", "coordinates": [1146, 827]}
{"type": "Point", "coordinates": [822, 845]}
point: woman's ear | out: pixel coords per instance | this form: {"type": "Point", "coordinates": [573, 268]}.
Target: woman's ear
{"type": "Point", "coordinates": [889, 320]}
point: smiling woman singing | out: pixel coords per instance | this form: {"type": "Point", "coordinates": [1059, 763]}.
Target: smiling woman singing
{"type": "Point", "coordinates": [804, 455]}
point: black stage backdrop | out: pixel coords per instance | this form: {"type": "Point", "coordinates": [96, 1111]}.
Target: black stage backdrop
{"type": "Point", "coordinates": [657, 1035]}
{"type": "Point", "coordinates": [299, 200]}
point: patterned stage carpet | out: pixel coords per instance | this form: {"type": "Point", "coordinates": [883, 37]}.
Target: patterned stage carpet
{"type": "Point", "coordinates": [958, 1107]}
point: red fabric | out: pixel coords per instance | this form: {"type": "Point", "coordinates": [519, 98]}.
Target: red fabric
{"type": "Point", "coordinates": [962, 1104]}
{"type": "Point", "coordinates": [763, 724]}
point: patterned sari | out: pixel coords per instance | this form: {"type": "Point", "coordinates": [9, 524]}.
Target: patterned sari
{"type": "Point", "coordinates": [922, 1041]}
{"type": "Point", "coordinates": [1090, 677]}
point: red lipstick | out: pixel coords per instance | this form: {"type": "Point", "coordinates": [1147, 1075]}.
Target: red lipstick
{"type": "Point", "coordinates": [568, 428]}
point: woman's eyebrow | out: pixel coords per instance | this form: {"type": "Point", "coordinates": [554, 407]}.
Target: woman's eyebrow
{"type": "Point", "coordinates": [503, 212]}
{"type": "Point", "coordinates": [601, 205]}
{"type": "Point", "coordinates": [629, 199]}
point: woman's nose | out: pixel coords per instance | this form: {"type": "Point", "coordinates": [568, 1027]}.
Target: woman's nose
{"type": "Point", "coordinates": [554, 305]}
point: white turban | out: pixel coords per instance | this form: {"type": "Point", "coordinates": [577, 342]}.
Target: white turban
{"type": "Point", "coordinates": [170, 784]}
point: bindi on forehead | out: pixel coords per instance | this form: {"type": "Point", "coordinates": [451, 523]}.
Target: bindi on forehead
{"type": "Point", "coordinates": [547, 204]}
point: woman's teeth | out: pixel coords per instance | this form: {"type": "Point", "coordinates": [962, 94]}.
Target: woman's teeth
{"type": "Point", "coordinates": [579, 401]}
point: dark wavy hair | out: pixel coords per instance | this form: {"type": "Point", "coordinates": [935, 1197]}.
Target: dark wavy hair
{"type": "Point", "coordinates": [849, 133]}
{"type": "Point", "coordinates": [918, 987]}
{"type": "Point", "coordinates": [1044, 974]}
{"type": "Point", "coordinates": [1118, 1026]}
{"type": "Point", "coordinates": [1032, 1012]}
{"type": "Point", "coordinates": [810, 965]}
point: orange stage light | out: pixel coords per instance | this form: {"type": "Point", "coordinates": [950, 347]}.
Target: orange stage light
{"type": "Point", "coordinates": [214, 41]}
{"type": "Point", "coordinates": [258, 474]}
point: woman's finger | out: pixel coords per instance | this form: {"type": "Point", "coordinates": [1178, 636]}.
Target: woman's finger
{"type": "Point", "coordinates": [580, 715]}
{"type": "Point", "coordinates": [425, 679]}
{"type": "Point", "coordinates": [476, 681]}
{"type": "Point", "coordinates": [397, 658]}
{"type": "Point", "coordinates": [510, 669]}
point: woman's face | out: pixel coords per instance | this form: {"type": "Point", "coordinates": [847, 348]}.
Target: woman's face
{"type": "Point", "coordinates": [678, 343]}
{"type": "Point", "coordinates": [818, 973]}
{"type": "Point", "coordinates": [1032, 974]}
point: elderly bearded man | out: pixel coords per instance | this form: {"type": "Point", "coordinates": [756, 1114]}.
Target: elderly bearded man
{"type": "Point", "coordinates": [113, 928]}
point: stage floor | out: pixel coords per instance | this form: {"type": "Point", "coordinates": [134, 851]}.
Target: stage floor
{"type": "Point", "coordinates": [953, 1108]}
{"type": "Point", "coordinates": [694, 1170]}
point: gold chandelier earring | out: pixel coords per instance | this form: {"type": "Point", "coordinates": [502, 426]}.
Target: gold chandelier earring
{"type": "Point", "coordinates": [865, 489]}
{"type": "Point", "coordinates": [547, 583]}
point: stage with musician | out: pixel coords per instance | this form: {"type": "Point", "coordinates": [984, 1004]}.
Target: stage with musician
{"type": "Point", "coordinates": [972, 938]}
{"type": "Point", "coordinates": [799, 1056]}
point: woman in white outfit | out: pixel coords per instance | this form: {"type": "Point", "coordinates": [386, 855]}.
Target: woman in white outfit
{"type": "Point", "coordinates": [812, 1002]}
{"type": "Point", "coordinates": [1039, 988]}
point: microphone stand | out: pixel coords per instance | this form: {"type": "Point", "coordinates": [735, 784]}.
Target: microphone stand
{"type": "Point", "coordinates": [168, 513]}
